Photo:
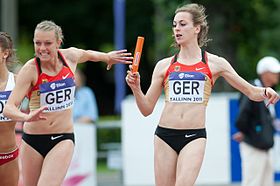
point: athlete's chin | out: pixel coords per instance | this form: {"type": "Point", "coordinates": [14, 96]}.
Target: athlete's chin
{"type": "Point", "coordinates": [179, 42]}
{"type": "Point", "coordinates": [44, 58]}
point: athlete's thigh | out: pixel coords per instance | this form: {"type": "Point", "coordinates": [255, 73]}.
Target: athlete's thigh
{"type": "Point", "coordinates": [9, 173]}
{"type": "Point", "coordinates": [56, 163]}
{"type": "Point", "coordinates": [165, 163]}
{"type": "Point", "coordinates": [31, 162]}
{"type": "Point", "coordinates": [189, 162]}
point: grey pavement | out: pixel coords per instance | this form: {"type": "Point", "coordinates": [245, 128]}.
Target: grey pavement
{"type": "Point", "coordinates": [115, 179]}
{"type": "Point", "coordinates": [109, 179]}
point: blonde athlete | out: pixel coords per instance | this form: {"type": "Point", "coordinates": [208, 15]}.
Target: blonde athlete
{"type": "Point", "coordinates": [48, 80]}
{"type": "Point", "coordinates": [9, 170]}
{"type": "Point", "coordinates": [187, 79]}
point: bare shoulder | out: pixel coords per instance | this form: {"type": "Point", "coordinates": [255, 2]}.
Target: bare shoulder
{"type": "Point", "coordinates": [217, 63]}
{"type": "Point", "coordinates": [215, 59]}
{"type": "Point", "coordinates": [72, 56]}
{"type": "Point", "coordinates": [30, 65]}
{"type": "Point", "coordinates": [162, 66]}
{"type": "Point", "coordinates": [71, 53]}
{"type": "Point", "coordinates": [70, 50]}
{"type": "Point", "coordinates": [28, 71]}
{"type": "Point", "coordinates": [165, 62]}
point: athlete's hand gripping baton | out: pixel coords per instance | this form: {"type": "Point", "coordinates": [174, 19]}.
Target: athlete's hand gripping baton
{"type": "Point", "coordinates": [137, 54]}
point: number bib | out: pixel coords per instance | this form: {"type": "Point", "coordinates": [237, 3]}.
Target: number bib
{"type": "Point", "coordinates": [4, 95]}
{"type": "Point", "coordinates": [57, 95]}
{"type": "Point", "coordinates": [186, 87]}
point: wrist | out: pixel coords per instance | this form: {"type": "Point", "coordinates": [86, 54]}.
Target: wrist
{"type": "Point", "coordinates": [25, 117]}
{"type": "Point", "coordinates": [265, 91]}
{"type": "Point", "coordinates": [107, 58]}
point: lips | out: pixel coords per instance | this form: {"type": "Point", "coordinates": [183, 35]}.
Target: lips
{"type": "Point", "coordinates": [44, 54]}
{"type": "Point", "coordinates": [178, 35]}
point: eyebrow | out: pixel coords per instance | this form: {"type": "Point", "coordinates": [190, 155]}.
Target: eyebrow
{"type": "Point", "coordinates": [182, 20]}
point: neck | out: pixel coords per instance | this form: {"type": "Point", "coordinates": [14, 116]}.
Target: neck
{"type": "Point", "coordinates": [52, 64]}
{"type": "Point", "coordinates": [190, 52]}
{"type": "Point", "coordinates": [3, 71]}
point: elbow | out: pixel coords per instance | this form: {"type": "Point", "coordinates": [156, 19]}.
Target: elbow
{"type": "Point", "coordinates": [146, 109]}
{"type": "Point", "coordinates": [146, 112]}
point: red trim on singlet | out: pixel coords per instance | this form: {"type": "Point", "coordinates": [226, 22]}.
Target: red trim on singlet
{"type": "Point", "coordinates": [63, 59]}
{"type": "Point", "coordinates": [197, 67]}
{"type": "Point", "coordinates": [37, 67]}
{"type": "Point", "coordinates": [7, 157]}
{"type": "Point", "coordinates": [43, 76]}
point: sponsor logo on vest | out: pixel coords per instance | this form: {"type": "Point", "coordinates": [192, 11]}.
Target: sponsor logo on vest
{"type": "Point", "coordinates": [198, 69]}
{"type": "Point", "coordinates": [64, 77]}
{"type": "Point", "coordinates": [5, 157]}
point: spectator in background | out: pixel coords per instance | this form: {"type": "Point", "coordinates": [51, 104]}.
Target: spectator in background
{"type": "Point", "coordinates": [85, 107]}
{"type": "Point", "coordinates": [256, 131]}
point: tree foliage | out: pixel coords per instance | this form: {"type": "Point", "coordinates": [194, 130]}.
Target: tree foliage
{"type": "Point", "coordinates": [244, 31]}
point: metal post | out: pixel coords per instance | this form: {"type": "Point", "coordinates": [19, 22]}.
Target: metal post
{"type": "Point", "coordinates": [9, 18]}
{"type": "Point", "coordinates": [120, 85]}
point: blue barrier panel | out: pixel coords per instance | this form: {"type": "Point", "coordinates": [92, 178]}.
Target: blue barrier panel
{"type": "Point", "coordinates": [235, 154]}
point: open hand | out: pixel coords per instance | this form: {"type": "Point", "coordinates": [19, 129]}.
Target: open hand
{"type": "Point", "coordinates": [271, 95]}
{"type": "Point", "coordinates": [119, 56]}
{"type": "Point", "coordinates": [37, 114]}
{"type": "Point", "coordinates": [239, 136]}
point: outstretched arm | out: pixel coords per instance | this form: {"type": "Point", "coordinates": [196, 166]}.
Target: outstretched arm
{"type": "Point", "coordinates": [224, 69]}
{"type": "Point", "coordinates": [113, 57]}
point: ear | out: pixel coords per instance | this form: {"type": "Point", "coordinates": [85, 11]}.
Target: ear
{"type": "Point", "coordinates": [197, 29]}
{"type": "Point", "coordinates": [6, 54]}
{"type": "Point", "coordinates": [59, 42]}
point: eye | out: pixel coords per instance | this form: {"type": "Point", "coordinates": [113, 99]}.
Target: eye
{"type": "Point", "coordinates": [174, 24]}
{"type": "Point", "coordinates": [183, 24]}
{"type": "Point", "coordinates": [37, 43]}
{"type": "Point", "coordinates": [48, 43]}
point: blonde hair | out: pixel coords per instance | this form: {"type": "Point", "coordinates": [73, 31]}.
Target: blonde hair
{"type": "Point", "coordinates": [51, 26]}
{"type": "Point", "coordinates": [199, 18]}
{"type": "Point", "coordinates": [6, 43]}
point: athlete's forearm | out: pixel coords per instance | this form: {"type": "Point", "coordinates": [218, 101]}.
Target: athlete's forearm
{"type": "Point", "coordinates": [14, 113]}
{"type": "Point", "coordinates": [257, 93]}
{"type": "Point", "coordinates": [142, 102]}
{"type": "Point", "coordinates": [98, 56]}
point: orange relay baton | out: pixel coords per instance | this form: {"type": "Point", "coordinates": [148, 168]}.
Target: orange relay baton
{"type": "Point", "coordinates": [137, 54]}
